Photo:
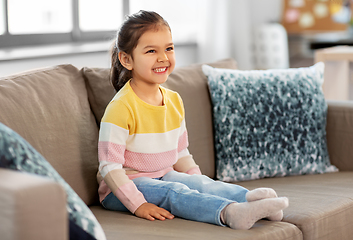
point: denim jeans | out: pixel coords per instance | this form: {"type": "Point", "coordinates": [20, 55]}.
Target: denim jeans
{"type": "Point", "coordinates": [193, 197]}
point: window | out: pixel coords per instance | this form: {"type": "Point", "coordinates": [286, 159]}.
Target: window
{"type": "Point", "coordinates": [182, 15]}
{"type": "Point", "coordinates": [37, 22]}
{"type": "Point", "coordinates": [103, 15]}
{"type": "Point", "coordinates": [39, 16]}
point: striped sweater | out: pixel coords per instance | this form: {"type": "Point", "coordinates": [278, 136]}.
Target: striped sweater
{"type": "Point", "coordinates": [137, 139]}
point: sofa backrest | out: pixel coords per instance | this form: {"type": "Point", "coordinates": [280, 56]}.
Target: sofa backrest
{"type": "Point", "coordinates": [192, 85]}
{"type": "Point", "coordinates": [50, 109]}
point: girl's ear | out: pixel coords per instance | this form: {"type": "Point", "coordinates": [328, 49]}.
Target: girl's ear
{"type": "Point", "coordinates": [125, 60]}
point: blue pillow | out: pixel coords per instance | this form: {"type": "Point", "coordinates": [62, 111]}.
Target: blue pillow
{"type": "Point", "coordinates": [269, 123]}
{"type": "Point", "coordinates": [17, 154]}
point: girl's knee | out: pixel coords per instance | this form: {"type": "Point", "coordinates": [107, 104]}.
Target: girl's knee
{"type": "Point", "coordinates": [178, 187]}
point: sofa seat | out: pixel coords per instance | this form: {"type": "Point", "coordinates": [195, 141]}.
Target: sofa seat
{"type": "Point", "coordinates": [321, 206]}
{"type": "Point", "coordinates": [124, 225]}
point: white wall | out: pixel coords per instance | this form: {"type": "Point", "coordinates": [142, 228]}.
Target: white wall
{"type": "Point", "coordinates": [265, 11]}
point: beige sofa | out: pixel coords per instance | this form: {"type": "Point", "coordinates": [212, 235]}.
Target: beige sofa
{"type": "Point", "coordinates": [58, 111]}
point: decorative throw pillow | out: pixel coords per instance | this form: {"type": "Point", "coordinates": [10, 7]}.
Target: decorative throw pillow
{"type": "Point", "coordinates": [269, 123]}
{"type": "Point", "coordinates": [16, 153]}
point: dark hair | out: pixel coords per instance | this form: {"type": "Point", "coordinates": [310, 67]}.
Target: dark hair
{"type": "Point", "coordinates": [127, 38]}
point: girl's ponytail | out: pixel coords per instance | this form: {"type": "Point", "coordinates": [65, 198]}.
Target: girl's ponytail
{"type": "Point", "coordinates": [119, 75]}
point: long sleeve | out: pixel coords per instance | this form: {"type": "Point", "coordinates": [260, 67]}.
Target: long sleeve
{"type": "Point", "coordinates": [111, 150]}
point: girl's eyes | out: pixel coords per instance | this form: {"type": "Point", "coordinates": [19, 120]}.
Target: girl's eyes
{"type": "Point", "coordinates": [167, 49]}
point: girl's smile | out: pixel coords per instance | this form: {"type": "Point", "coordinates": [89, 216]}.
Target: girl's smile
{"type": "Point", "coordinates": [160, 70]}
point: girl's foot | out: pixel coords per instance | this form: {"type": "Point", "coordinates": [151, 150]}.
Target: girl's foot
{"type": "Point", "coordinates": [263, 193]}
{"type": "Point", "coordinates": [260, 193]}
{"type": "Point", "coordinates": [243, 216]}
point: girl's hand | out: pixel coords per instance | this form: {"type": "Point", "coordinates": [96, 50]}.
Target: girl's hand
{"type": "Point", "coordinates": [151, 212]}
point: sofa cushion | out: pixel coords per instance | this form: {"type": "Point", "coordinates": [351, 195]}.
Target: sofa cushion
{"type": "Point", "coordinates": [321, 205]}
{"type": "Point", "coordinates": [340, 133]}
{"type": "Point", "coordinates": [99, 88]}
{"type": "Point", "coordinates": [269, 123]}
{"type": "Point", "coordinates": [17, 154]}
{"type": "Point", "coordinates": [128, 226]}
{"type": "Point", "coordinates": [49, 108]}
{"type": "Point", "coordinates": [191, 84]}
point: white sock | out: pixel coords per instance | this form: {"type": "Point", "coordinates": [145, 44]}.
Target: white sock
{"type": "Point", "coordinates": [260, 193]}
{"type": "Point", "coordinates": [263, 193]}
{"type": "Point", "coordinates": [243, 216]}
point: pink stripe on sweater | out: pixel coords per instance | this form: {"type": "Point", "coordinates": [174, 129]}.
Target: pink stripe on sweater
{"type": "Point", "coordinates": [111, 152]}
{"type": "Point", "coordinates": [150, 162]}
{"type": "Point", "coordinates": [103, 190]}
{"type": "Point", "coordinates": [183, 141]}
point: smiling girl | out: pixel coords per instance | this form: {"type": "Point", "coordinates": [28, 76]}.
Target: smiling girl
{"type": "Point", "coordinates": [144, 163]}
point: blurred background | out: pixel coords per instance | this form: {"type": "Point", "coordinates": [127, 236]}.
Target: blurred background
{"type": "Point", "coordinates": [258, 34]}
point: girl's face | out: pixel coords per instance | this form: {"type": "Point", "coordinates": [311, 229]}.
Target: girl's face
{"type": "Point", "coordinates": [153, 58]}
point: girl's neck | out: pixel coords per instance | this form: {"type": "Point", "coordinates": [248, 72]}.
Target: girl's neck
{"type": "Point", "coordinates": [149, 93]}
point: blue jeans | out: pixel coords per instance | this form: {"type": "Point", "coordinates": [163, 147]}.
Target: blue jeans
{"type": "Point", "coordinates": [193, 197]}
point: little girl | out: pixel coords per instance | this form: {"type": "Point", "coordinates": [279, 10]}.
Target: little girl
{"type": "Point", "coordinates": [144, 163]}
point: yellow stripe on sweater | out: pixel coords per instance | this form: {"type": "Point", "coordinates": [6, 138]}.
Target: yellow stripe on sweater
{"type": "Point", "coordinates": [128, 111]}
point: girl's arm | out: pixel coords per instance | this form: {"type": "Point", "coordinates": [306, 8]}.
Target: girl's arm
{"type": "Point", "coordinates": [113, 135]}
{"type": "Point", "coordinates": [185, 163]}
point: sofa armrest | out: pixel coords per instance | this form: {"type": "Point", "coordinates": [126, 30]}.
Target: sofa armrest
{"type": "Point", "coordinates": [31, 207]}
{"type": "Point", "coordinates": [340, 134]}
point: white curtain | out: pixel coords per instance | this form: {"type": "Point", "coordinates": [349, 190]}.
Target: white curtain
{"type": "Point", "coordinates": [226, 28]}
{"type": "Point", "coordinates": [225, 31]}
